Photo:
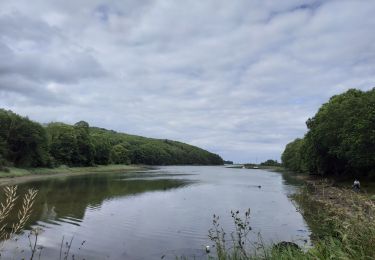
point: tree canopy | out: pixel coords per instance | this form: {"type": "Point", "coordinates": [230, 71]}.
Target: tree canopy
{"type": "Point", "coordinates": [340, 140]}
{"type": "Point", "coordinates": [270, 162]}
{"type": "Point", "coordinates": [22, 141]}
{"type": "Point", "coordinates": [25, 143]}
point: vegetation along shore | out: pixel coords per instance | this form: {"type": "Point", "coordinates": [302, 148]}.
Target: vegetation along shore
{"type": "Point", "coordinates": [28, 144]}
{"type": "Point", "coordinates": [341, 221]}
{"type": "Point", "coordinates": [14, 176]}
{"type": "Point", "coordinates": [338, 147]}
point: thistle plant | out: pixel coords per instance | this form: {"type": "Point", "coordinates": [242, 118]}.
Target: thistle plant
{"type": "Point", "coordinates": [239, 237]}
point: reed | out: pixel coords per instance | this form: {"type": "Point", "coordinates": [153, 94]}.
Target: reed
{"type": "Point", "coordinates": [342, 223]}
{"type": "Point", "coordinates": [7, 227]}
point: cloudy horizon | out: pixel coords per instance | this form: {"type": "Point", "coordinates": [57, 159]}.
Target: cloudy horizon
{"type": "Point", "coordinates": [238, 78]}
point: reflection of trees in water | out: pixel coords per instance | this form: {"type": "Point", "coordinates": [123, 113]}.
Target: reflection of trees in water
{"type": "Point", "coordinates": [290, 178]}
{"type": "Point", "coordinates": [48, 212]}
{"type": "Point", "coordinates": [69, 198]}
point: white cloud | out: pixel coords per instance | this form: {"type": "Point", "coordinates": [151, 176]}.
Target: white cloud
{"type": "Point", "coordinates": [238, 78]}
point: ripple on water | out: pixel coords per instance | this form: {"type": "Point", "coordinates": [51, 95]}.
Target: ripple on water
{"type": "Point", "coordinates": [71, 220]}
{"type": "Point", "coordinates": [93, 207]}
{"type": "Point", "coordinates": [148, 218]}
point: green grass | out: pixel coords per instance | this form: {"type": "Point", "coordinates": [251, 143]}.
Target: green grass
{"type": "Point", "coordinates": [13, 172]}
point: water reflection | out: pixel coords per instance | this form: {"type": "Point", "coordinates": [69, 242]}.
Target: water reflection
{"type": "Point", "coordinates": [67, 200]}
{"type": "Point", "coordinates": [162, 212]}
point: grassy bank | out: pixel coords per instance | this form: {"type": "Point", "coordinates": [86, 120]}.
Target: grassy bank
{"type": "Point", "coordinates": [341, 220]}
{"type": "Point", "coordinates": [342, 224]}
{"type": "Point", "coordinates": [18, 175]}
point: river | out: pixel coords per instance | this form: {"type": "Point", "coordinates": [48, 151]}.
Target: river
{"type": "Point", "coordinates": [159, 213]}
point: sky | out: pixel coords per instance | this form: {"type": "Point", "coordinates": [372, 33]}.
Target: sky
{"type": "Point", "coordinates": [239, 78]}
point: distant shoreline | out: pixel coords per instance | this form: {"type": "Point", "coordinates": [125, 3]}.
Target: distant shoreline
{"type": "Point", "coordinates": [18, 175]}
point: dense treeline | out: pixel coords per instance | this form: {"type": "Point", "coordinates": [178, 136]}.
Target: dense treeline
{"type": "Point", "coordinates": [270, 162]}
{"type": "Point", "coordinates": [340, 140]}
{"type": "Point", "coordinates": [24, 143]}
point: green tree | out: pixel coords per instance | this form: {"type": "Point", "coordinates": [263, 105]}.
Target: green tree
{"type": "Point", "coordinates": [270, 162]}
{"type": "Point", "coordinates": [85, 148]}
{"type": "Point", "coordinates": [292, 156]}
{"type": "Point", "coordinates": [341, 138]}
{"type": "Point", "coordinates": [2, 147]}
{"type": "Point", "coordinates": [63, 142]}
{"type": "Point", "coordinates": [2, 154]}
{"type": "Point", "coordinates": [119, 154]}
{"type": "Point", "coordinates": [102, 149]}
{"type": "Point", "coordinates": [342, 134]}
{"type": "Point", "coordinates": [26, 142]}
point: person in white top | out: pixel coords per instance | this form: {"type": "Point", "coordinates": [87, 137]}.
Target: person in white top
{"type": "Point", "coordinates": [356, 185]}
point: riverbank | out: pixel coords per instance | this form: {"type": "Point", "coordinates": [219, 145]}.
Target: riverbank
{"type": "Point", "coordinates": [337, 204]}
{"type": "Point", "coordinates": [342, 223]}
{"type": "Point", "coordinates": [341, 220]}
{"type": "Point", "coordinates": [15, 176]}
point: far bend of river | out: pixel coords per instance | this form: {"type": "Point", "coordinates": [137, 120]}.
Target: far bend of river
{"type": "Point", "coordinates": [160, 213]}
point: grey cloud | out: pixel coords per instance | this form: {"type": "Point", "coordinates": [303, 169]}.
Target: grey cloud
{"type": "Point", "coordinates": [30, 92]}
{"type": "Point", "coordinates": [36, 60]}
{"type": "Point", "coordinates": [36, 50]}
{"type": "Point", "coordinates": [238, 78]}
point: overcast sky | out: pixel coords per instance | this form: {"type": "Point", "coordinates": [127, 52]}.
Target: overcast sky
{"type": "Point", "coordinates": [238, 78]}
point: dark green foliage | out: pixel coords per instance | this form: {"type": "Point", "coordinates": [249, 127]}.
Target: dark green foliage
{"type": "Point", "coordinates": [151, 151]}
{"type": "Point", "coordinates": [63, 142]}
{"type": "Point", "coordinates": [2, 154]}
{"type": "Point", "coordinates": [270, 163]}
{"type": "Point", "coordinates": [28, 144]}
{"type": "Point", "coordinates": [119, 154]}
{"type": "Point", "coordinates": [2, 151]}
{"type": "Point", "coordinates": [85, 148]}
{"type": "Point", "coordinates": [24, 142]}
{"type": "Point", "coordinates": [292, 156]}
{"type": "Point", "coordinates": [340, 140]}
{"type": "Point", "coordinates": [102, 150]}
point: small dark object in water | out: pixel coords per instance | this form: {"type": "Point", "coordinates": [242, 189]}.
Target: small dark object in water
{"type": "Point", "coordinates": [285, 245]}
{"type": "Point", "coordinates": [207, 249]}
{"type": "Point", "coordinates": [259, 186]}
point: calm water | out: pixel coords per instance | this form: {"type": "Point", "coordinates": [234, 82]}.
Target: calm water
{"type": "Point", "coordinates": [158, 213]}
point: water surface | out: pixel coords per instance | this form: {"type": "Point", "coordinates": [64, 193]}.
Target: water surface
{"type": "Point", "coordinates": [165, 212]}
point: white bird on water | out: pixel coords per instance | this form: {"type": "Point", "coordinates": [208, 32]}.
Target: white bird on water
{"type": "Point", "coordinates": [207, 249]}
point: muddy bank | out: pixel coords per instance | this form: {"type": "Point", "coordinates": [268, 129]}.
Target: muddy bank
{"type": "Point", "coordinates": [17, 176]}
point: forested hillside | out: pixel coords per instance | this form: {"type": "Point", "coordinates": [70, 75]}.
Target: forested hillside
{"type": "Point", "coordinates": [340, 140]}
{"type": "Point", "coordinates": [24, 143]}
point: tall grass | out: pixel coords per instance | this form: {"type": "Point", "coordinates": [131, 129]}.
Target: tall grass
{"type": "Point", "coordinates": [342, 222]}
{"type": "Point", "coordinates": [237, 245]}
{"type": "Point", "coordinates": [10, 227]}
{"type": "Point", "coordinates": [343, 225]}
{"type": "Point", "coordinates": [7, 227]}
